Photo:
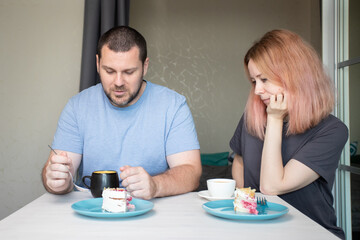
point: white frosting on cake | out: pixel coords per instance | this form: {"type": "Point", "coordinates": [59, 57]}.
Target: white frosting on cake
{"type": "Point", "coordinates": [114, 200]}
{"type": "Point", "coordinates": [239, 193]}
{"type": "Point", "coordinates": [245, 201]}
{"type": "Point", "coordinates": [114, 193]}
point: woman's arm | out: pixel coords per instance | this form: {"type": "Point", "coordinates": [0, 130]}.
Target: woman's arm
{"type": "Point", "coordinates": [238, 170]}
{"type": "Point", "coordinates": [275, 178]}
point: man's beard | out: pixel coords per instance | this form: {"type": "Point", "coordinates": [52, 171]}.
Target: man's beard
{"type": "Point", "coordinates": [119, 101]}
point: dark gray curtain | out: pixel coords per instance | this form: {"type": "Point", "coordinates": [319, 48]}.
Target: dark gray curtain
{"type": "Point", "coordinates": [100, 16]}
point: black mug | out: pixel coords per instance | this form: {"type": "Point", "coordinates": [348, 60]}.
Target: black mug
{"type": "Point", "coordinates": [100, 180]}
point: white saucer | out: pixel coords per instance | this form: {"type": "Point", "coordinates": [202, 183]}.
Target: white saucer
{"type": "Point", "coordinates": [205, 194]}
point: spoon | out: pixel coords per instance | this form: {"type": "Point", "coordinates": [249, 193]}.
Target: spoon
{"type": "Point", "coordinates": [81, 189]}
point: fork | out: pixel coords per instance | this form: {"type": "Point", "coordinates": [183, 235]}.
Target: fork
{"type": "Point", "coordinates": [262, 205]}
{"type": "Point", "coordinates": [261, 201]}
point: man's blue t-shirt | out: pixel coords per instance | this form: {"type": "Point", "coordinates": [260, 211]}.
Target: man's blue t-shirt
{"type": "Point", "coordinates": [159, 124]}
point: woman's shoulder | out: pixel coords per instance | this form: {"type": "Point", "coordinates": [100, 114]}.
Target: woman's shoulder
{"type": "Point", "coordinates": [333, 121]}
{"type": "Point", "coordinates": [333, 126]}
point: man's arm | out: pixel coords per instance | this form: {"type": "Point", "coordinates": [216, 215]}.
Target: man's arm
{"type": "Point", "coordinates": [55, 174]}
{"type": "Point", "coordinates": [183, 176]}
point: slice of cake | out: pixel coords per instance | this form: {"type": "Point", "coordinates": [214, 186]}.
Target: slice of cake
{"type": "Point", "coordinates": [116, 200]}
{"type": "Point", "coordinates": [245, 201]}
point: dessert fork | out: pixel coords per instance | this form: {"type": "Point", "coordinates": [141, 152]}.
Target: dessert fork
{"type": "Point", "coordinates": [261, 205]}
{"type": "Point", "coordinates": [261, 201]}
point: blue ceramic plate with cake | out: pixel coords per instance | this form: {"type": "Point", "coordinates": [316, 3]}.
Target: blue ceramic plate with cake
{"type": "Point", "coordinates": [225, 209]}
{"type": "Point", "coordinates": [93, 208]}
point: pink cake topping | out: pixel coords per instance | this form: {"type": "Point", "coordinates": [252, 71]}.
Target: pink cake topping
{"type": "Point", "coordinates": [251, 206]}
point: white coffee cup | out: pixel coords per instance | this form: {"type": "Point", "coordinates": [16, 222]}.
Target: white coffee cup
{"type": "Point", "coordinates": [221, 187]}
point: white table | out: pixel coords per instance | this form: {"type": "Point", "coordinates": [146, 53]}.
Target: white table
{"type": "Point", "coordinates": [179, 217]}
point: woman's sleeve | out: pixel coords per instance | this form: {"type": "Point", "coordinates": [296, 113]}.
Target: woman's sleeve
{"type": "Point", "coordinates": [322, 152]}
{"type": "Point", "coordinates": [235, 142]}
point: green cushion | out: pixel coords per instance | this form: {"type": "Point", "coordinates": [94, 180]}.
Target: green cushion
{"type": "Point", "coordinates": [215, 159]}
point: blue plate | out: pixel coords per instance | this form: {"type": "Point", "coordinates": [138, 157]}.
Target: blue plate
{"type": "Point", "coordinates": [225, 209]}
{"type": "Point", "coordinates": [92, 208]}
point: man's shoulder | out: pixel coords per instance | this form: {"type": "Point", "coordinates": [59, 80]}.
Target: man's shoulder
{"type": "Point", "coordinates": [165, 93]}
{"type": "Point", "coordinates": [88, 94]}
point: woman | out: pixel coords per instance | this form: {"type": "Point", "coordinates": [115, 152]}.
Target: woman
{"type": "Point", "coordinates": [287, 143]}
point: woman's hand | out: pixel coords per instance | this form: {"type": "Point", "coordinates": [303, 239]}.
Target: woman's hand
{"type": "Point", "coordinates": [277, 107]}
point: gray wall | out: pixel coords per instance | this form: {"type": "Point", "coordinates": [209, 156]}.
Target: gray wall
{"type": "Point", "coordinates": [195, 47]}
{"type": "Point", "coordinates": [40, 54]}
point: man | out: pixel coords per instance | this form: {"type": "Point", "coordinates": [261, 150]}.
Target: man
{"type": "Point", "coordinates": [142, 129]}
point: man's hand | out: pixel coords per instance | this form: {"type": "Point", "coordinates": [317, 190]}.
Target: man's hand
{"type": "Point", "coordinates": [138, 182]}
{"type": "Point", "coordinates": [57, 174]}
{"type": "Point", "coordinates": [182, 176]}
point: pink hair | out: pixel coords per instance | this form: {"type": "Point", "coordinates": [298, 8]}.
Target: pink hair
{"type": "Point", "coordinates": [287, 60]}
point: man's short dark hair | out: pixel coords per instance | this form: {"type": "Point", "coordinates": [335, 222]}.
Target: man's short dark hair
{"type": "Point", "coordinates": [122, 39]}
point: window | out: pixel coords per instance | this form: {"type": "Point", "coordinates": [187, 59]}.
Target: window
{"type": "Point", "coordinates": [341, 55]}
